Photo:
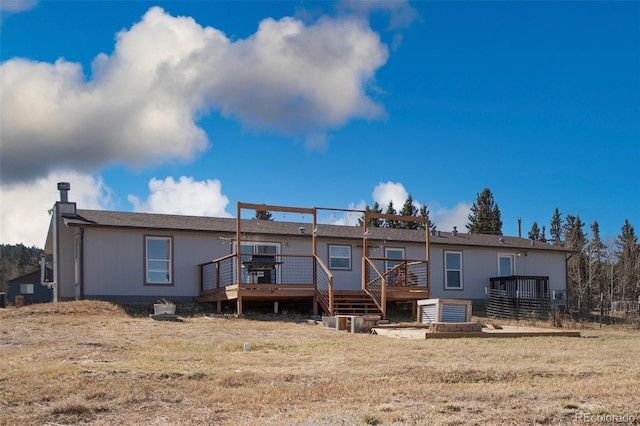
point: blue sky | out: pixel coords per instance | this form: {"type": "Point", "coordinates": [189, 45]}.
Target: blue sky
{"type": "Point", "coordinates": [189, 107]}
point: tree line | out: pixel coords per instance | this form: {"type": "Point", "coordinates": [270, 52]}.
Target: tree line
{"type": "Point", "coordinates": [17, 260]}
{"type": "Point", "coordinates": [599, 272]}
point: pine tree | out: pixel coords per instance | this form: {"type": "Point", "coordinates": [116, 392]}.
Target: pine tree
{"type": "Point", "coordinates": [391, 223]}
{"type": "Point", "coordinates": [263, 215]}
{"type": "Point", "coordinates": [543, 237]}
{"type": "Point", "coordinates": [556, 227]}
{"type": "Point", "coordinates": [534, 233]}
{"type": "Point", "coordinates": [485, 215]}
{"type": "Point", "coordinates": [596, 255]}
{"type": "Point", "coordinates": [376, 223]}
{"type": "Point", "coordinates": [23, 259]}
{"type": "Point", "coordinates": [575, 239]}
{"type": "Point", "coordinates": [628, 254]}
{"type": "Point", "coordinates": [408, 209]}
{"type": "Point", "coordinates": [425, 213]}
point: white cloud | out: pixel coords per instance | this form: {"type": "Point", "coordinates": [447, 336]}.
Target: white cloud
{"type": "Point", "coordinates": [186, 196]}
{"type": "Point", "coordinates": [14, 6]}
{"type": "Point", "coordinates": [390, 191]}
{"type": "Point", "coordinates": [24, 206]}
{"type": "Point", "coordinates": [445, 219]}
{"type": "Point", "coordinates": [401, 14]}
{"type": "Point", "coordinates": [141, 103]}
{"type": "Point", "coordinates": [348, 218]}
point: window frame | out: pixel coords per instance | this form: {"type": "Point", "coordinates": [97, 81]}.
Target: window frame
{"type": "Point", "coordinates": [27, 288]}
{"type": "Point", "coordinates": [330, 257]}
{"type": "Point", "coordinates": [255, 249]}
{"type": "Point", "coordinates": [447, 269]}
{"type": "Point", "coordinates": [147, 280]}
{"type": "Point", "coordinates": [390, 264]}
{"type": "Point", "coordinates": [512, 259]}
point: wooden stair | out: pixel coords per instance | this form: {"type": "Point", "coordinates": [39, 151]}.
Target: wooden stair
{"type": "Point", "coordinates": [354, 303]}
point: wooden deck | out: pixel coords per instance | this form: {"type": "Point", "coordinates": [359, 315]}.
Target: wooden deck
{"type": "Point", "coordinates": [280, 277]}
{"type": "Point", "coordinates": [257, 292]}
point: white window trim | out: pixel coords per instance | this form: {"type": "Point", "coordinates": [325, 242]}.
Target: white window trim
{"type": "Point", "coordinates": [446, 269]}
{"type": "Point", "coordinates": [512, 257]}
{"type": "Point", "coordinates": [169, 261]}
{"type": "Point", "coordinates": [343, 268]}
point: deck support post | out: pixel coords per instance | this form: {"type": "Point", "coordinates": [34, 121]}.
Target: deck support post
{"type": "Point", "coordinates": [239, 305]}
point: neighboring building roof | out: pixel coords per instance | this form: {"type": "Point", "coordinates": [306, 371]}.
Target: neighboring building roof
{"type": "Point", "coordinates": [33, 275]}
{"type": "Point", "coordinates": [101, 218]}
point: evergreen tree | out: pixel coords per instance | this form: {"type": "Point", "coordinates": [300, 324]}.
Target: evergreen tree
{"type": "Point", "coordinates": [391, 223]}
{"type": "Point", "coordinates": [263, 215]}
{"type": "Point", "coordinates": [425, 213]}
{"type": "Point", "coordinates": [543, 237]}
{"type": "Point", "coordinates": [23, 259]}
{"type": "Point", "coordinates": [534, 233]}
{"type": "Point", "coordinates": [485, 215]}
{"type": "Point", "coordinates": [628, 254]}
{"type": "Point", "coordinates": [556, 227]}
{"type": "Point", "coordinates": [17, 260]}
{"type": "Point", "coordinates": [595, 256]}
{"type": "Point", "coordinates": [575, 239]}
{"type": "Point", "coordinates": [408, 209]}
{"type": "Point", "coordinates": [376, 223]}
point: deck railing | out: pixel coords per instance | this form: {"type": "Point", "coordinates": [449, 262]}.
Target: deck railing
{"type": "Point", "coordinates": [374, 284]}
{"type": "Point", "coordinates": [398, 273]}
{"type": "Point", "coordinates": [217, 273]}
{"type": "Point", "coordinates": [408, 273]}
{"type": "Point", "coordinates": [521, 286]}
{"type": "Point", "coordinates": [324, 286]}
{"type": "Point", "coordinates": [520, 296]}
{"type": "Point", "coordinates": [289, 271]}
{"type": "Point", "coordinates": [306, 271]}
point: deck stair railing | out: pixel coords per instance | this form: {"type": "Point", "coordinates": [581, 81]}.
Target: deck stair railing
{"type": "Point", "coordinates": [324, 286]}
{"type": "Point", "coordinates": [374, 284]}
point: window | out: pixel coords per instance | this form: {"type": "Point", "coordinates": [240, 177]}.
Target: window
{"type": "Point", "coordinates": [26, 288]}
{"type": "Point", "coordinates": [506, 265]}
{"type": "Point", "coordinates": [262, 276]}
{"type": "Point", "coordinates": [393, 253]}
{"type": "Point", "coordinates": [340, 257]}
{"type": "Point", "coordinates": [158, 255]}
{"type": "Point", "coordinates": [453, 270]}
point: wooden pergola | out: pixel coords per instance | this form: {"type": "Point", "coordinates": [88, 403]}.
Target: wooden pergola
{"type": "Point", "coordinates": [313, 212]}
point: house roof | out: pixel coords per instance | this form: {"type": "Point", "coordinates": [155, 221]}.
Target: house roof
{"type": "Point", "coordinates": [151, 221]}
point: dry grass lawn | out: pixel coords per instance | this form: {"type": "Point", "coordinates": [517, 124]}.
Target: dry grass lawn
{"type": "Point", "coordinates": [91, 363]}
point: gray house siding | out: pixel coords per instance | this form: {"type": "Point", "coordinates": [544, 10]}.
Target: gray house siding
{"type": "Point", "coordinates": [343, 279]}
{"type": "Point", "coordinates": [479, 264]}
{"type": "Point", "coordinates": [63, 252]}
{"type": "Point", "coordinates": [113, 253]}
{"type": "Point", "coordinates": [114, 264]}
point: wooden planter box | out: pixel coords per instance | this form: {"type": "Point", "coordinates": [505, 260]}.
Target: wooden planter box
{"type": "Point", "coordinates": [163, 309]}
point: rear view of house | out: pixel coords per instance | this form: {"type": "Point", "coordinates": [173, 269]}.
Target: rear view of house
{"type": "Point", "coordinates": [140, 258]}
